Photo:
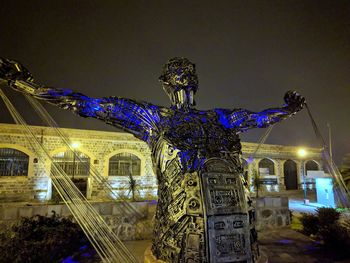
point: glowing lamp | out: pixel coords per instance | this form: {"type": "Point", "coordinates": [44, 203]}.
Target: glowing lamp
{"type": "Point", "coordinates": [75, 145]}
{"type": "Point", "coordinates": [302, 152]}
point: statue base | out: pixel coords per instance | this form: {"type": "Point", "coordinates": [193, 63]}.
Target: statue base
{"type": "Point", "coordinates": [150, 258]}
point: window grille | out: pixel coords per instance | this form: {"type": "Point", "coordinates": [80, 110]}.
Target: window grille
{"type": "Point", "coordinates": [124, 164]}
{"type": "Point", "coordinates": [311, 166]}
{"type": "Point", "coordinates": [13, 162]}
{"type": "Point", "coordinates": [267, 164]}
{"type": "Point", "coordinates": [71, 165]}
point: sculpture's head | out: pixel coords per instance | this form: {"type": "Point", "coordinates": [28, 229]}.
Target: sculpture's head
{"type": "Point", "coordinates": [180, 82]}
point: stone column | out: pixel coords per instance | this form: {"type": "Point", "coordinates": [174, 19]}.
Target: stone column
{"type": "Point", "coordinates": [280, 165]}
{"type": "Point", "coordinates": [299, 173]}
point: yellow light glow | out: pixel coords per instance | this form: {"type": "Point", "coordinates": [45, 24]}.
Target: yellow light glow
{"type": "Point", "coordinates": [302, 152]}
{"type": "Point", "coordinates": [75, 145]}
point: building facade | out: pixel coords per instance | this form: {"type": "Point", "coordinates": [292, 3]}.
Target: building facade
{"type": "Point", "coordinates": [126, 164]}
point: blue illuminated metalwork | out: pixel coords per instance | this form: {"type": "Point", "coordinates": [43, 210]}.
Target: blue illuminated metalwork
{"type": "Point", "coordinates": [203, 213]}
{"type": "Point", "coordinates": [188, 130]}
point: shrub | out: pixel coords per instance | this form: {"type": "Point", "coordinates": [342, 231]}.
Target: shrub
{"type": "Point", "coordinates": [310, 223]}
{"type": "Point", "coordinates": [325, 224]}
{"type": "Point", "coordinates": [336, 238]}
{"type": "Point", "coordinates": [44, 239]}
{"type": "Point", "coordinates": [327, 216]}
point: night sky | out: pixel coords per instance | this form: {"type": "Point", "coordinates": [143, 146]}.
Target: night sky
{"type": "Point", "coordinates": [248, 54]}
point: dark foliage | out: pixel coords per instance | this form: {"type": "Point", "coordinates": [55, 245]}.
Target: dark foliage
{"type": "Point", "coordinates": [325, 225]}
{"type": "Point", "coordinates": [45, 239]}
{"type": "Point", "coordinates": [310, 224]}
{"type": "Point", "coordinates": [327, 216]}
{"type": "Point", "coordinates": [336, 238]}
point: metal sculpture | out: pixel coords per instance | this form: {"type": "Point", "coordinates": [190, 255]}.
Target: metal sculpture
{"type": "Point", "coordinates": [203, 212]}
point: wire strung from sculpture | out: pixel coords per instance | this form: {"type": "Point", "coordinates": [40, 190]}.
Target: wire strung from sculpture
{"type": "Point", "coordinates": [260, 142]}
{"type": "Point", "coordinates": [124, 205]}
{"type": "Point", "coordinates": [104, 240]}
{"type": "Point", "coordinates": [95, 175]}
{"type": "Point", "coordinates": [344, 193]}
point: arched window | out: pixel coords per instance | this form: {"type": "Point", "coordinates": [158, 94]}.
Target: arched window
{"type": "Point", "coordinates": [124, 164]}
{"type": "Point", "coordinates": [266, 166]}
{"type": "Point", "coordinates": [311, 166]}
{"type": "Point", "coordinates": [13, 162]}
{"type": "Point", "coordinates": [74, 166]}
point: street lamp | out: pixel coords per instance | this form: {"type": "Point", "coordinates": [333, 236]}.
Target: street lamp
{"type": "Point", "coordinates": [75, 145]}
{"type": "Point", "coordinates": [302, 154]}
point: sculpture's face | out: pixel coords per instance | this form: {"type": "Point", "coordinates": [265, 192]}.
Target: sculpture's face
{"type": "Point", "coordinates": [180, 82]}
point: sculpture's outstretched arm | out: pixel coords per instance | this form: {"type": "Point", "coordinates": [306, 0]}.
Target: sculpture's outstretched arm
{"type": "Point", "coordinates": [138, 118]}
{"type": "Point", "coordinates": [242, 120]}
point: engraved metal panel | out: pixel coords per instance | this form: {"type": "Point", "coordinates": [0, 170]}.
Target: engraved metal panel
{"type": "Point", "coordinates": [223, 193]}
{"type": "Point", "coordinates": [195, 242]}
{"type": "Point", "coordinates": [229, 238]}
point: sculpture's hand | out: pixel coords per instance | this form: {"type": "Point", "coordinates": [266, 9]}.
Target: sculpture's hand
{"type": "Point", "coordinates": [11, 70]}
{"type": "Point", "coordinates": [295, 102]}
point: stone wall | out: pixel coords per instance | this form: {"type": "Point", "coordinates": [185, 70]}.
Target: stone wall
{"type": "Point", "coordinates": [128, 224]}
{"type": "Point", "coordinates": [272, 212]}
{"type": "Point", "coordinates": [21, 189]}
{"type": "Point", "coordinates": [137, 223]}
{"type": "Point", "coordinates": [99, 146]}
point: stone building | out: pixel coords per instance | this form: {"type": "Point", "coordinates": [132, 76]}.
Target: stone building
{"type": "Point", "coordinates": [121, 158]}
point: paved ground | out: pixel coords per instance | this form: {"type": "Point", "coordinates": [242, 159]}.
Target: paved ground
{"type": "Point", "coordinates": [297, 205]}
{"type": "Point", "coordinates": [280, 246]}
{"type": "Point", "coordinates": [138, 248]}
{"type": "Point", "coordinates": [287, 246]}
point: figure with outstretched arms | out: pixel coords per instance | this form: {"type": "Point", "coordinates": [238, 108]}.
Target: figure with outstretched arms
{"type": "Point", "coordinates": [203, 212]}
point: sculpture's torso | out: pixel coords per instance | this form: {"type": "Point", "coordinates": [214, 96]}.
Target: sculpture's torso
{"type": "Point", "coordinates": [202, 213]}
{"type": "Point", "coordinates": [197, 130]}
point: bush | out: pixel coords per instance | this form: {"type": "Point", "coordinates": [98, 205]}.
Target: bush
{"type": "Point", "coordinates": [336, 238]}
{"type": "Point", "coordinates": [325, 224]}
{"type": "Point", "coordinates": [327, 216]}
{"type": "Point", "coordinates": [310, 224]}
{"type": "Point", "coordinates": [44, 239]}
